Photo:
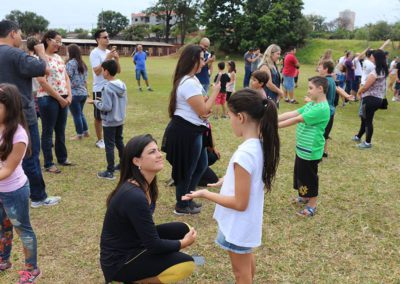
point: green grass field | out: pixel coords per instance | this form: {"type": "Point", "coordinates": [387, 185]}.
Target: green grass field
{"type": "Point", "coordinates": [354, 238]}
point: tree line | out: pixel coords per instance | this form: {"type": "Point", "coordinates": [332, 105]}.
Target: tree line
{"type": "Point", "coordinates": [232, 25]}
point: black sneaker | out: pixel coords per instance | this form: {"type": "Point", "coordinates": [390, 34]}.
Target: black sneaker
{"type": "Point", "coordinates": [117, 167]}
{"type": "Point", "coordinates": [106, 175]}
{"type": "Point", "coordinates": [196, 204]}
{"type": "Point", "coordinates": [188, 210]}
{"type": "Point", "coordinates": [325, 155]}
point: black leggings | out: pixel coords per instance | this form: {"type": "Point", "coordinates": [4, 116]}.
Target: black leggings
{"type": "Point", "coordinates": [145, 265]}
{"type": "Point", "coordinates": [369, 106]}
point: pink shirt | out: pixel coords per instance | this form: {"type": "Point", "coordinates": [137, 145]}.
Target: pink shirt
{"type": "Point", "coordinates": [18, 178]}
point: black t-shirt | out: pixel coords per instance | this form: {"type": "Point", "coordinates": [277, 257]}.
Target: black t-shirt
{"type": "Point", "coordinates": [18, 68]}
{"type": "Point", "coordinates": [398, 70]}
{"type": "Point", "coordinates": [224, 79]}
{"type": "Point", "coordinates": [128, 229]}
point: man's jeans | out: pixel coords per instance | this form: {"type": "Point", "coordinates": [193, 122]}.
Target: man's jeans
{"type": "Point", "coordinates": [31, 166]}
{"type": "Point", "coordinates": [14, 213]}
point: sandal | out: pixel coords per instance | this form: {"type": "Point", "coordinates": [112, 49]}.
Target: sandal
{"type": "Point", "coordinates": [307, 212]}
{"type": "Point", "coordinates": [298, 201]}
{"type": "Point", "coordinates": [53, 169]}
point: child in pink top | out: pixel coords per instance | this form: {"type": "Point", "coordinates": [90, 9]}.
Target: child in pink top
{"type": "Point", "coordinates": [14, 185]}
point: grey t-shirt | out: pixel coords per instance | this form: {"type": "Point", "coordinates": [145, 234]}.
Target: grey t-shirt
{"type": "Point", "coordinates": [246, 56]}
{"type": "Point", "coordinates": [18, 68]}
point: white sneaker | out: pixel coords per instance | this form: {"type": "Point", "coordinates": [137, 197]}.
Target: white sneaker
{"type": "Point", "coordinates": [394, 99]}
{"type": "Point", "coordinates": [49, 201]}
{"type": "Point", "coordinates": [100, 144]}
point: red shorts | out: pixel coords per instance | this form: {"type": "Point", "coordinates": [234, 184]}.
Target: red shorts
{"type": "Point", "coordinates": [221, 99]}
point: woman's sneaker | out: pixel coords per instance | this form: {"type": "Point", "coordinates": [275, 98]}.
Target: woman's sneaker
{"type": "Point", "coordinates": [49, 201]}
{"type": "Point", "coordinates": [364, 145]}
{"type": "Point", "coordinates": [106, 175]}
{"type": "Point", "coordinates": [356, 138]}
{"type": "Point", "coordinates": [188, 210]}
{"type": "Point", "coordinates": [28, 277]}
{"type": "Point", "coordinates": [5, 265]}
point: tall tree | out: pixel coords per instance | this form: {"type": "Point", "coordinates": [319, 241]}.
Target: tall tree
{"type": "Point", "coordinates": [29, 22]}
{"type": "Point", "coordinates": [165, 10]}
{"type": "Point", "coordinates": [221, 18]}
{"type": "Point", "coordinates": [112, 21]}
{"type": "Point", "coordinates": [187, 16]}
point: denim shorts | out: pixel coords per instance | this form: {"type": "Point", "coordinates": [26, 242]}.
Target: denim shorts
{"type": "Point", "coordinates": [288, 83]}
{"type": "Point", "coordinates": [141, 72]}
{"type": "Point", "coordinates": [224, 244]}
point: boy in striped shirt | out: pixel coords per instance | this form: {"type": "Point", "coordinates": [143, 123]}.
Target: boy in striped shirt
{"type": "Point", "coordinates": [311, 120]}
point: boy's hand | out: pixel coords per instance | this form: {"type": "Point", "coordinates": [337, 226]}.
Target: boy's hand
{"type": "Point", "coordinates": [307, 99]}
{"type": "Point", "coordinates": [351, 98]}
{"type": "Point", "coordinates": [90, 101]}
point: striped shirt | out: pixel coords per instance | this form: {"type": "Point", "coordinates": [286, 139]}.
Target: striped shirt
{"type": "Point", "coordinates": [310, 139]}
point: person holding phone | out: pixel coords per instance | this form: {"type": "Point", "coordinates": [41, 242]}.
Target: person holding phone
{"type": "Point", "coordinates": [204, 74]}
{"type": "Point", "coordinates": [97, 57]}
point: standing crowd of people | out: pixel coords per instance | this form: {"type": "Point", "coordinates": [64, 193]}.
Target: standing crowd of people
{"type": "Point", "coordinates": [132, 247]}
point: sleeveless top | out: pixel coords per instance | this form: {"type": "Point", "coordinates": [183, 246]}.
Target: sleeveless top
{"type": "Point", "coordinates": [276, 80]}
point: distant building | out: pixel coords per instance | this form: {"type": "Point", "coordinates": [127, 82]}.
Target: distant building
{"type": "Point", "coordinates": [347, 19]}
{"type": "Point", "coordinates": [150, 19]}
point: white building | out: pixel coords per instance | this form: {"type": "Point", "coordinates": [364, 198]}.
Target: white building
{"type": "Point", "coordinates": [150, 19]}
{"type": "Point", "coordinates": [347, 19]}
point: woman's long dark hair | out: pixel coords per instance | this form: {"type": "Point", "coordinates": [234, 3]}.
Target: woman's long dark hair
{"type": "Point", "coordinates": [129, 171]}
{"type": "Point", "coordinates": [51, 34]}
{"type": "Point", "coordinates": [263, 111]}
{"type": "Point", "coordinates": [381, 67]}
{"type": "Point", "coordinates": [11, 99]}
{"type": "Point", "coordinates": [232, 66]}
{"type": "Point", "coordinates": [189, 59]}
{"type": "Point", "coordinates": [74, 52]}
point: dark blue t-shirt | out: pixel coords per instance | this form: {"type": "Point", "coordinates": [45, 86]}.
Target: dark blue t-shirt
{"type": "Point", "coordinates": [18, 68]}
{"type": "Point", "coordinates": [204, 76]}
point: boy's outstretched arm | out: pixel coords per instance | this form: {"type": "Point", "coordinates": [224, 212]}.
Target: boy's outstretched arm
{"type": "Point", "coordinates": [291, 121]}
{"type": "Point", "coordinates": [287, 115]}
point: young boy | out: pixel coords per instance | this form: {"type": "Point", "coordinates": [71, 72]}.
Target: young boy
{"type": "Point", "coordinates": [325, 69]}
{"type": "Point", "coordinates": [258, 81]}
{"type": "Point", "coordinates": [112, 107]}
{"type": "Point", "coordinates": [311, 120]}
{"type": "Point", "coordinates": [220, 101]}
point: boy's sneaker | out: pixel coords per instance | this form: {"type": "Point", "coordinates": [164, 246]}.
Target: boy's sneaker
{"type": "Point", "coordinates": [28, 277]}
{"type": "Point", "coordinates": [150, 89]}
{"type": "Point", "coordinates": [5, 265]}
{"type": "Point", "coordinates": [140, 89]}
{"type": "Point", "coordinates": [188, 210]}
{"type": "Point", "coordinates": [106, 175]}
{"type": "Point", "coordinates": [49, 201]}
{"type": "Point", "coordinates": [355, 138]}
{"type": "Point", "coordinates": [117, 167]}
{"type": "Point", "coordinates": [364, 145]}
{"type": "Point", "coordinates": [100, 144]}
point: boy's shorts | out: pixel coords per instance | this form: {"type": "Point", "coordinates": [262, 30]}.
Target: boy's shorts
{"type": "Point", "coordinates": [224, 244]}
{"type": "Point", "coordinates": [96, 112]}
{"type": "Point", "coordinates": [141, 72]}
{"type": "Point", "coordinates": [328, 128]}
{"type": "Point", "coordinates": [305, 177]}
{"type": "Point", "coordinates": [288, 83]}
{"type": "Point", "coordinates": [221, 99]}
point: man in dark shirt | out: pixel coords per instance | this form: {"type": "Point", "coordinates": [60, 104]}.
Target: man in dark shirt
{"type": "Point", "coordinates": [18, 68]}
{"type": "Point", "coordinates": [204, 74]}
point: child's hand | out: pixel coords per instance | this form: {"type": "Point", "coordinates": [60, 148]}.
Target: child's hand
{"type": "Point", "coordinates": [307, 99]}
{"type": "Point", "coordinates": [189, 238]}
{"type": "Point", "coordinates": [194, 194]}
{"type": "Point", "coordinates": [351, 98]}
{"type": "Point", "coordinates": [217, 184]}
{"type": "Point", "coordinates": [89, 101]}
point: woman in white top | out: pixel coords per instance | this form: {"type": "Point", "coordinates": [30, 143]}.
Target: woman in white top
{"type": "Point", "coordinates": [239, 209]}
{"type": "Point", "coordinates": [188, 109]}
{"type": "Point", "coordinates": [54, 97]}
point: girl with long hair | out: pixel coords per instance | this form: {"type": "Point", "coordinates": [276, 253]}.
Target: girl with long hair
{"type": "Point", "coordinates": [14, 185]}
{"type": "Point", "coordinates": [77, 72]}
{"type": "Point", "coordinates": [239, 209]}
{"type": "Point", "coordinates": [132, 247]}
{"type": "Point", "coordinates": [188, 109]}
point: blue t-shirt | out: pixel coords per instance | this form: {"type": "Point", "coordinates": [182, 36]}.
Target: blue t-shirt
{"type": "Point", "coordinates": [140, 60]}
{"type": "Point", "coordinates": [203, 75]}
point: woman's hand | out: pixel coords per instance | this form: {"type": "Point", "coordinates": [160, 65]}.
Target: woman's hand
{"type": "Point", "coordinates": [63, 102]}
{"type": "Point", "coordinates": [69, 100]}
{"type": "Point", "coordinates": [189, 238]}
{"type": "Point", "coordinates": [195, 194]}
{"type": "Point", "coordinates": [217, 184]}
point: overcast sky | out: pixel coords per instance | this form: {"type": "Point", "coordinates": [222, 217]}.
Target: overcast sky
{"type": "Point", "coordinates": [83, 13]}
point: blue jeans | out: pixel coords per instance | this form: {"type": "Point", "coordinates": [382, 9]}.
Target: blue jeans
{"type": "Point", "coordinates": [341, 78]}
{"type": "Point", "coordinates": [54, 118]}
{"type": "Point", "coordinates": [247, 76]}
{"type": "Point", "coordinates": [76, 108]}
{"type": "Point", "coordinates": [31, 166]}
{"type": "Point", "coordinates": [14, 213]}
{"type": "Point", "coordinates": [198, 165]}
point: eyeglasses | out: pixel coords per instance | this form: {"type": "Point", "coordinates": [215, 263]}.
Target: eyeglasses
{"type": "Point", "coordinates": [59, 42]}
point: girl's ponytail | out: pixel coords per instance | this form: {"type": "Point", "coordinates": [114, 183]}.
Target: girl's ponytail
{"type": "Point", "coordinates": [271, 143]}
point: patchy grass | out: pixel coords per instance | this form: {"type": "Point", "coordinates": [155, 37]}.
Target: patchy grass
{"type": "Point", "coordinates": [354, 238]}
